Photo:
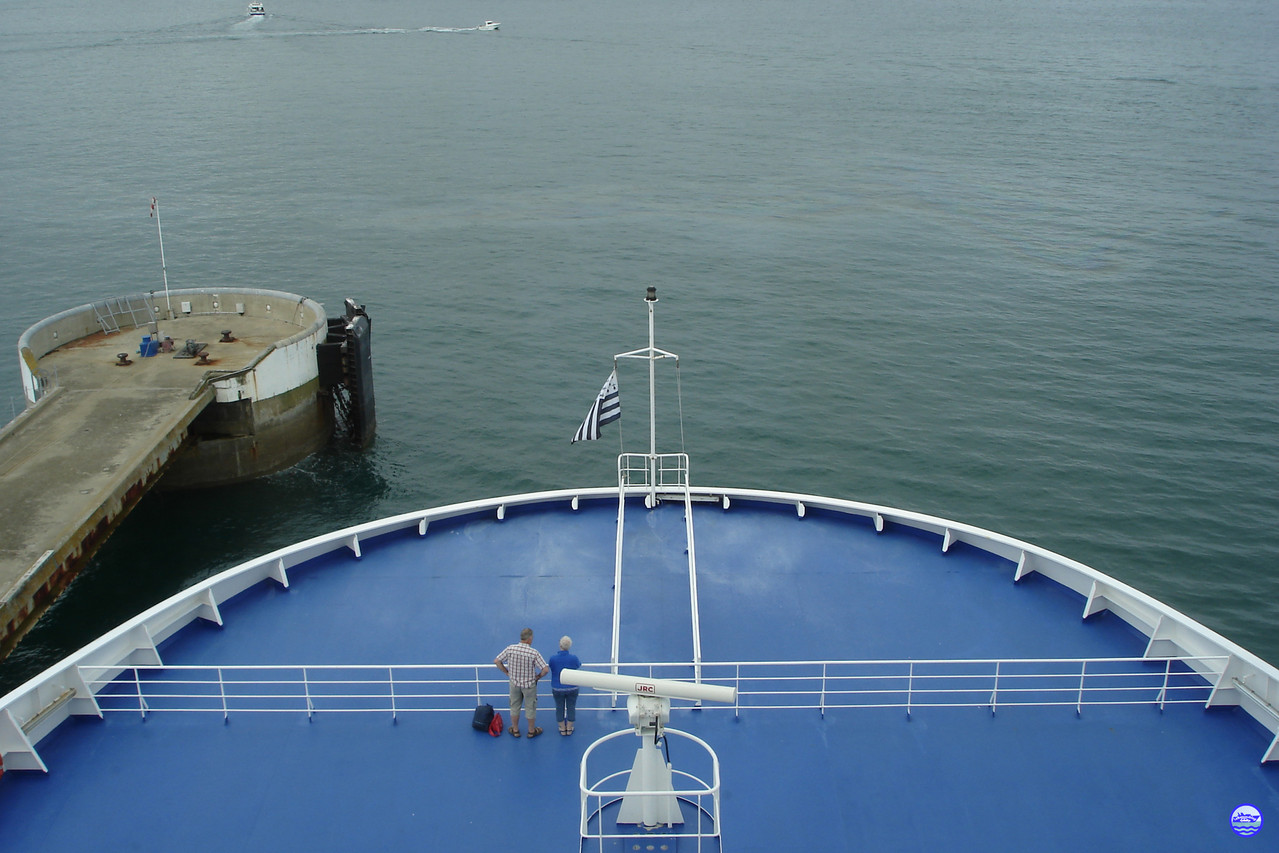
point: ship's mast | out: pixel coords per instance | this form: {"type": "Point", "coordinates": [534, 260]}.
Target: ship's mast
{"type": "Point", "coordinates": [651, 299]}
{"type": "Point", "coordinates": [652, 354]}
{"type": "Point", "coordinates": [670, 471]}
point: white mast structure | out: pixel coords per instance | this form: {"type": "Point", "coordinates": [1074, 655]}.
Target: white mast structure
{"type": "Point", "coordinates": [652, 354]}
{"type": "Point", "coordinates": [668, 470]}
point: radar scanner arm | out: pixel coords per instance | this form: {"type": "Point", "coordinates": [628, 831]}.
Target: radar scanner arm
{"type": "Point", "coordinates": [648, 702]}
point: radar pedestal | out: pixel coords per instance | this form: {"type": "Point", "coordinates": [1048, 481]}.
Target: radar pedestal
{"type": "Point", "coordinates": [650, 773]}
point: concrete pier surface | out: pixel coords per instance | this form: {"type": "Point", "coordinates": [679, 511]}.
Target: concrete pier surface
{"type": "Point", "coordinates": [74, 464]}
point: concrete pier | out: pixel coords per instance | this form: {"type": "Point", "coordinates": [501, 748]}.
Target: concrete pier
{"type": "Point", "coordinates": [102, 433]}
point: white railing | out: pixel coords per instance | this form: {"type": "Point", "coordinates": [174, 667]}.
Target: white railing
{"type": "Point", "coordinates": [33, 710]}
{"type": "Point", "coordinates": [914, 684]}
{"type": "Point", "coordinates": [663, 470]}
{"type": "Point", "coordinates": [823, 686]}
{"type": "Point", "coordinates": [295, 689]}
{"type": "Point", "coordinates": [601, 801]}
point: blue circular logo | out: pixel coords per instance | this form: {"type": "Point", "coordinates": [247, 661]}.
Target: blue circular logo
{"type": "Point", "coordinates": [1245, 820]}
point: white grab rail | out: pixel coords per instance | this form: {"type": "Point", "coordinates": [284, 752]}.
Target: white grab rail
{"type": "Point", "coordinates": [761, 685]}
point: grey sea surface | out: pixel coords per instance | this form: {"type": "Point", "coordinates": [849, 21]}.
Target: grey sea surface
{"type": "Point", "coordinates": [1009, 263]}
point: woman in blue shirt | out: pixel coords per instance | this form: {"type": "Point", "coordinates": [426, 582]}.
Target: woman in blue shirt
{"type": "Point", "coordinates": [565, 694]}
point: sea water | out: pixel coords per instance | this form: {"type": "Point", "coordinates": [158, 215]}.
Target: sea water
{"type": "Point", "coordinates": [1010, 263]}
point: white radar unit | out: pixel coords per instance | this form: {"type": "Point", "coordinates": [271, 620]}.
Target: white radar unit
{"type": "Point", "coordinates": [648, 705]}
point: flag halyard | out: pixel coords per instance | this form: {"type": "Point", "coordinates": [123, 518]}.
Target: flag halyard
{"type": "Point", "coordinates": [606, 409]}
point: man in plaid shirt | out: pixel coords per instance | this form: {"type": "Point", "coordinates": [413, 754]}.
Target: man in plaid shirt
{"type": "Point", "coordinates": [524, 665]}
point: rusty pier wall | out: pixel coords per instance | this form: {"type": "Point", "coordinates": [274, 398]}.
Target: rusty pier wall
{"type": "Point", "coordinates": [108, 416]}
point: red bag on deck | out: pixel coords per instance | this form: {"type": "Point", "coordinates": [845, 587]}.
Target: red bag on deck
{"type": "Point", "coordinates": [495, 727]}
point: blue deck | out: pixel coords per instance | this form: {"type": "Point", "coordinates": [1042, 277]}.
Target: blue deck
{"type": "Point", "coordinates": [772, 587]}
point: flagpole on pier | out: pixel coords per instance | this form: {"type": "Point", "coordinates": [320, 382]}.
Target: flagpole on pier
{"type": "Point", "coordinates": [164, 270]}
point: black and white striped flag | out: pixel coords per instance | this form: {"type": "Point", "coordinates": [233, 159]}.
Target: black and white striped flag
{"type": "Point", "coordinates": [606, 409]}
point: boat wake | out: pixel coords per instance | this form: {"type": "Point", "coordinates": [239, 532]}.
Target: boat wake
{"type": "Point", "coordinates": [385, 31]}
{"type": "Point", "coordinates": [365, 31]}
{"type": "Point", "coordinates": [248, 27]}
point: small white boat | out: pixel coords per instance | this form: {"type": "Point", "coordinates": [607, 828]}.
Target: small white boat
{"type": "Point", "coordinates": [256, 10]}
{"type": "Point", "coordinates": [489, 25]}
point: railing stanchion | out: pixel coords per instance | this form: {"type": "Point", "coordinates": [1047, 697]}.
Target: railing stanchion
{"type": "Point", "coordinates": [994, 694]}
{"type": "Point", "coordinates": [822, 701]}
{"type": "Point", "coordinates": [1079, 706]}
{"type": "Point", "coordinates": [1163, 691]}
{"type": "Point", "coordinates": [222, 694]}
{"type": "Point", "coordinates": [910, 687]}
{"type": "Point", "coordinates": [306, 689]}
{"type": "Point", "coordinates": [137, 683]}
{"type": "Point", "coordinates": [390, 675]}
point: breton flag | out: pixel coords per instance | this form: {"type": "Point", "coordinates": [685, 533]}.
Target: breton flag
{"type": "Point", "coordinates": [606, 409]}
